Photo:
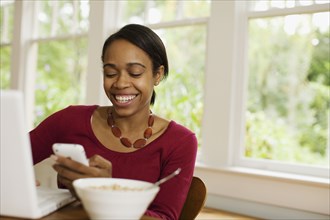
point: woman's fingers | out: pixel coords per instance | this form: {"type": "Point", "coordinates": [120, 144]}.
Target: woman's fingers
{"type": "Point", "coordinates": [100, 166]}
{"type": "Point", "coordinates": [71, 164]}
{"type": "Point", "coordinates": [67, 172]}
{"type": "Point", "coordinates": [100, 162]}
{"type": "Point", "coordinates": [72, 170]}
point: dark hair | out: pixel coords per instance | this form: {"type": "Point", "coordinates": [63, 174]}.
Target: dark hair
{"type": "Point", "coordinates": [147, 40]}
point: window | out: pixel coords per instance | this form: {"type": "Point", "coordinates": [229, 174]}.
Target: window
{"type": "Point", "coordinates": [50, 49]}
{"type": "Point", "coordinates": [209, 49]}
{"type": "Point", "coordinates": [61, 57]}
{"type": "Point", "coordinates": [182, 25]}
{"type": "Point", "coordinates": [287, 104]}
{"type": "Point", "coordinates": [6, 34]}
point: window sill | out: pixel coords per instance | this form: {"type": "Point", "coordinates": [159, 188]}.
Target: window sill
{"type": "Point", "coordinates": [275, 175]}
{"type": "Point", "coordinates": [289, 191]}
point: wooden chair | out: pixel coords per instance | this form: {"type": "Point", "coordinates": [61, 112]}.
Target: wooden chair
{"type": "Point", "coordinates": [195, 200]}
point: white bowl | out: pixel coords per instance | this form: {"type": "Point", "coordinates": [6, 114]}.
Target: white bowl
{"type": "Point", "coordinates": [115, 198]}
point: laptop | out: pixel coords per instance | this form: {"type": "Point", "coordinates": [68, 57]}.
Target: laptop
{"type": "Point", "coordinates": [20, 197]}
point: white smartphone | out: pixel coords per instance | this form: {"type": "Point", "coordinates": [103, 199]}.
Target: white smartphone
{"type": "Point", "coordinates": [74, 151]}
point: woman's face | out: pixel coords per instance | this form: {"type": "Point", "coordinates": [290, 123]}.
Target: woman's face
{"type": "Point", "coordinates": [128, 78]}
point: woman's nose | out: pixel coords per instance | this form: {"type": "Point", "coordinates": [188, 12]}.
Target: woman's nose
{"type": "Point", "coordinates": [122, 81]}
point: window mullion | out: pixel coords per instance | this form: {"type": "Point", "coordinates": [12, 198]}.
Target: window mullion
{"type": "Point", "coordinates": [178, 23]}
{"type": "Point", "coordinates": [104, 14]}
{"type": "Point", "coordinates": [289, 11]}
{"type": "Point", "coordinates": [5, 21]}
{"type": "Point", "coordinates": [215, 151]}
{"type": "Point", "coordinates": [23, 57]}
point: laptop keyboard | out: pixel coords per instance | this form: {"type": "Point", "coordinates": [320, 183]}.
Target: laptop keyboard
{"type": "Point", "coordinates": [49, 195]}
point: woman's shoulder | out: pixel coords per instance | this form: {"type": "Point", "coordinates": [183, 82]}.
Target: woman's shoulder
{"type": "Point", "coordinates": [71, 112]}
{"type": "Point", "coordinates": [77, 109]}
{"type": "Point", "coordinates": [178, 138]}
{"type": "Point", "coordinates": [179, 128]}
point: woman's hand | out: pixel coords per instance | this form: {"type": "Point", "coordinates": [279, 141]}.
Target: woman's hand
{"type": "Point", "coordinates": [69, 170]}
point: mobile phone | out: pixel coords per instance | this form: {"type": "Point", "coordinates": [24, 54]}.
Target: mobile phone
{"type": "Point", "coordinates": [75, 151]}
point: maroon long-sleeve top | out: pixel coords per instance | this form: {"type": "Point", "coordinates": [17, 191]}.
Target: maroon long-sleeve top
{"type": "Point", "coordinates": [176, 147]}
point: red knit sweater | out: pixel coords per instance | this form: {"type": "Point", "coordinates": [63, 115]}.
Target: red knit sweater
{"type": "Point", "coordinates": [176, 147]}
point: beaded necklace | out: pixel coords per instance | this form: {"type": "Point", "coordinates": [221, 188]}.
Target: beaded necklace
{"type": "Point", "coordinates": [139, 143]}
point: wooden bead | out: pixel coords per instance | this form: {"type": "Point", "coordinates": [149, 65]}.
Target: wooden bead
{"type": "Point", "coordinates": [147, 133]}
{"type": "Point", "coordinates": [151, 120]}
{"type": "Point", "coordinates": [126, 142]}
{"type": "Point", "coordinates": [116, 131]}
{"type": "Point", "coordinates": [139, 143]}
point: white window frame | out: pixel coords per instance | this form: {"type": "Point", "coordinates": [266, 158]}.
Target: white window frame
{"type": "Point", "coordinates": [241, 97]}
{"type": "Point", "coordinates": [233, 184]}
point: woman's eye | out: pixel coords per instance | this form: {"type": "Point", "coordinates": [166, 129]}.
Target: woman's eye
{"type": "Point", "coordinates": [135, 74]}
{"type": "Point", "coordinates": [110, 74]}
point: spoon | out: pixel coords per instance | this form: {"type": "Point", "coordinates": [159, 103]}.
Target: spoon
{"type": "Point", "coordinates": [176, 172]}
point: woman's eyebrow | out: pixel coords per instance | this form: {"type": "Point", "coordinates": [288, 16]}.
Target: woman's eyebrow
{"type": "Point", "coordinates": [128, 65]}
{"type": "Point", "coordinates": [139, 64]}
{"type": "Point", "coordinates": [109, 65]}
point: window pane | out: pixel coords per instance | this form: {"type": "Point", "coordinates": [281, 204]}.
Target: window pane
{"type": "Point", "coordinates": [183, 89]}
{"type": "Point", "coordinates": [133, 12]}
{"type": "Point", "coordinates": [5, 52]}
{"type": "Point", "coordinates": [163, 11]}
{"type": "Point", "coordinates": [60, 76]}
{"type": "Point", "coordinates": [288, 102]}
{"type": "Point", "coordinates": [6, 35]}
{"type": "Point", "coordinates": [63, 17]}
{"type": "Point", "coordinates": [7, 21]}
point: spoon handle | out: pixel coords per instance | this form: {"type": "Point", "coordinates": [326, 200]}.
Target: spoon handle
{"type": "Point", "coordinates": [176, 172]}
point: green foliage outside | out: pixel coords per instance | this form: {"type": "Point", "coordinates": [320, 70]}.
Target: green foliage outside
{"type": "Point", "coordinates": [5, 67]}
{"type": "Point", "coordinates": [61, 73]}
{"type": "Point", "coordinates": [289, 87]}
{"type": "Point", "coordinates": [62, 64]}
{"type": "Point", "coordinates": [180, 96]}
{"type": "Point", "coordinates": [5, 50]}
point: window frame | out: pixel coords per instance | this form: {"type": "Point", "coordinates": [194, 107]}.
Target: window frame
{"type": "Point", "coordinates": [224, 125]}
{"type": "Point", "coordinates": [268, 191]}
{"type": "Point", "coordinates": [238, 143]}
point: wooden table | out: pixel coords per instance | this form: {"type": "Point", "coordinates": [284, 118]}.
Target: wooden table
{"type": "Point", "coordinates": [72, 211]}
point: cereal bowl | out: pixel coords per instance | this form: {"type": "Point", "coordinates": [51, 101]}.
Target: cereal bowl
{"type": "Point", "coordinates": [115, 198]}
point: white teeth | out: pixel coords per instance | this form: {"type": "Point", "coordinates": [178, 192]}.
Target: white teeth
{"type": "Point", "coordinates": [124, 99]}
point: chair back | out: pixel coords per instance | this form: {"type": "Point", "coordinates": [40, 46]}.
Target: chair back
{"type": "Point", "coordinates": [195, 200]}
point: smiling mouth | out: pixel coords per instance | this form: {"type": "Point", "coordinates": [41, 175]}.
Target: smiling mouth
{"type": "Point", "coordinates": [124, 98]}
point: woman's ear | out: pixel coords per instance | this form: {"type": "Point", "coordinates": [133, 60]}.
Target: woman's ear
{"type": "Point", "coordinates": [159, 75]}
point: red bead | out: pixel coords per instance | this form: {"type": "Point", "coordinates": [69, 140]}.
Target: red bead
{"type": "Point", "coordinates": [151, 120]}
{"type": "Point", "coordinates": [147, 133]}
{"type": "Point", "coordinates": [139, 143]}
{"type": "Point", "coordinates": [126, 142]}
{"type": "Point", "coordinates": [116, 131]}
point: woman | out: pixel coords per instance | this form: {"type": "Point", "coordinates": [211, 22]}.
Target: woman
{"type": "Point", "coordinates": [125, 140]}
